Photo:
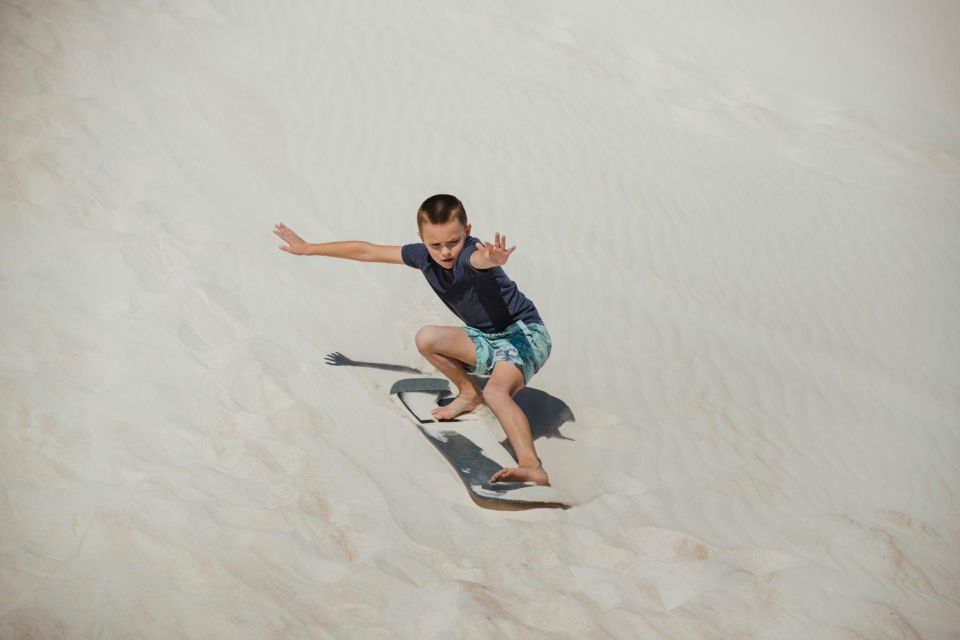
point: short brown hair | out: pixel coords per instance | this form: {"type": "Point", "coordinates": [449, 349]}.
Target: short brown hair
{"type": "Point", "coordinates": [441, 209]}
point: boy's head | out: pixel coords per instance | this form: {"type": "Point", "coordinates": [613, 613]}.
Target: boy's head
{"type": "Point", "coordinates": [443, 227]}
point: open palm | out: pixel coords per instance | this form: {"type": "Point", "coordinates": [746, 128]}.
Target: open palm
{"type": "Point", "coordinates": [496, 253]}
{"type": "Point", "coordinates": [295, 244]}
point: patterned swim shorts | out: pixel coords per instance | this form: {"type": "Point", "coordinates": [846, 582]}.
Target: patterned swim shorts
{"type": "Point", "coordinates": [526, 345]}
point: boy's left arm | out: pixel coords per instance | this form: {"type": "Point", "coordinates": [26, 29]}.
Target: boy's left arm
{"type": "Point", "coordinates": [491, 255]}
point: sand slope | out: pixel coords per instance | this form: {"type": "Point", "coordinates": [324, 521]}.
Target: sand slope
{"type": "Point", "coordinates": [740, 222]}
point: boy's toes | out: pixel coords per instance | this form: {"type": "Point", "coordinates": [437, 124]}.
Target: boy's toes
{"type": "Point", "coordinates": [441, 413]}
{"type": "Point", "coordinates": [525, 474]}
{"type": "Point", "coordinates": [459, 406]}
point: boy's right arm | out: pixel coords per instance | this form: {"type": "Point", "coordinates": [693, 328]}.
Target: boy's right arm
{"type": "Point", "coordinates": [348, 249]}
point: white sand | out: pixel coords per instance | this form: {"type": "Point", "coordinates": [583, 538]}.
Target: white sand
{"type": "Point", "coordinates": [741, 222]}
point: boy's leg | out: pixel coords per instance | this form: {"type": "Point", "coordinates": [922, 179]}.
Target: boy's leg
{"type": "Point", "coordinates": [448, 349]}
{"type": "Point", "coordinates": [504, 383]}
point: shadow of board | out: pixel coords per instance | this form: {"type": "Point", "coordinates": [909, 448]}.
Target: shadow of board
{"type": "Point", "coordinates": [470, 450]}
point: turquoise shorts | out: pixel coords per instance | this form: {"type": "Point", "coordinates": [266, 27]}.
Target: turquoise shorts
{"type": "Point", "coordinates": [526, 345]}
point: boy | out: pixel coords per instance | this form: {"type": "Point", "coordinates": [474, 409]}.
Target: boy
{"type": "Point", "coordinates": [504, 338]}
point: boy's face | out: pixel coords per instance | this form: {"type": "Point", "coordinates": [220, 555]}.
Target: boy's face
{"type": "Point", "coordinates": [444, 241]}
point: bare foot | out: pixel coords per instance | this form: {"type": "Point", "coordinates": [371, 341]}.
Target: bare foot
{"type": "Point", "coordinates": [525, 474]}
{"type": "Point", "coordinates": [461, 404]}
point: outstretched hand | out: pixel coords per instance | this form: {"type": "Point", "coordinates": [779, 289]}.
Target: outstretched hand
{"type": "Point", "coordinates": [295, 244]}
{"type": "Point", "coordinates": [497, 253]}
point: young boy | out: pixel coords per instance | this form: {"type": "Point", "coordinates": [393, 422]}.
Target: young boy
{"type": "Point", "coordinates": [504, 338]}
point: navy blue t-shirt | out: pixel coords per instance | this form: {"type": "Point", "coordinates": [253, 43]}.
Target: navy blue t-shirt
{"type": "Point", "coordinates": [484, 299]}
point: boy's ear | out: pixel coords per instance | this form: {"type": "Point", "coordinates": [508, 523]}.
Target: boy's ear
{"type": "Point", "coordinates": [468, 229]}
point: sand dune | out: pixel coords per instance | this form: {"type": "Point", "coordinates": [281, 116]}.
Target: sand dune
{"type": "Point", "coordinates": [740, 223]}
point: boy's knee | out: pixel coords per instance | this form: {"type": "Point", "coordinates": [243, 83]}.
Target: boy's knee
{"type": "Point", "coordinates": [492, 393]}
{"type": "Point", "coordinates": [426, 339]}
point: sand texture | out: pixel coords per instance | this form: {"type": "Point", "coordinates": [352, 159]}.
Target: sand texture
{"type": "Point", "coordinates": [740, 221]}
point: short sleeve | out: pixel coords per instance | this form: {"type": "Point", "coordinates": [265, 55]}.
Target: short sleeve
{"type": "Point", "coordinates": [469, 250]}
{"type": "Point", "coordinates": [415, 255]}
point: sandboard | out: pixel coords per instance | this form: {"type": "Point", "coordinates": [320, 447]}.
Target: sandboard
{"type": "Point", "coordinates": [470, 446]}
